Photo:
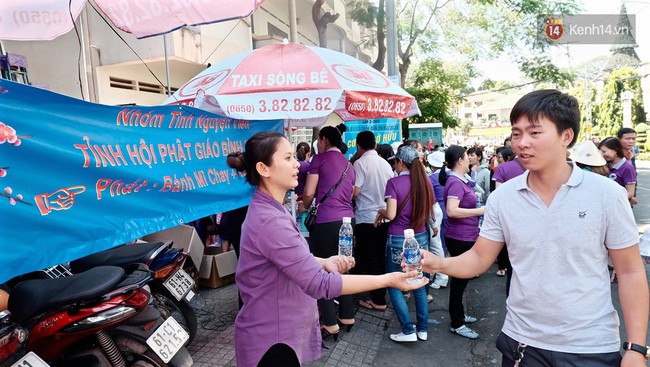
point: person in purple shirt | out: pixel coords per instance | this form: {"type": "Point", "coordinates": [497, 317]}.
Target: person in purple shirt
{"type": "Point", "coordinates": [620, 169]}
{"type": "Point", "coordinates": [279, 279]}
{"type": "Point", "coordinates": [409, 204]}
{"type": "Point", "coordinates": [325, 170]}
{"type": "Point", "coordinates": [302, 154]}
{"type": "Point", "coordinates": [509, 167]}
{"type": "Point", "coordinates": [462, 230]}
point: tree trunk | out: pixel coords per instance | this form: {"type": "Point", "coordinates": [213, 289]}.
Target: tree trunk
{"type": "Point", "coordinates": [321, 21]}
{"type": "Point", "coordinates": [381, 37]}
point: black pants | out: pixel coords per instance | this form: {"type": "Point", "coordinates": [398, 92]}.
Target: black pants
{"type": "Point", "coordinates": [325, 243]}
{"type": "Point", "coordinates": [279, 355]}
{"type": "Point", "coordinates": [503, 262]}
{"type": "Point", "coordinates": [456, 285]}
{"type": "Point", "coordinates": [370, 254]}
{"type": "Point", "coordinates": [536, 357]}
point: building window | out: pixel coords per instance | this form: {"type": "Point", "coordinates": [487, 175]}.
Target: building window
{"type": "Point", "coordinates": [121, 83]}
{"type": "Point", "coordinates": [479, 115]}
{"type": "Point", "coordinates": [275, 31]}
{"type": "Point", "coordinates": [468, 115]}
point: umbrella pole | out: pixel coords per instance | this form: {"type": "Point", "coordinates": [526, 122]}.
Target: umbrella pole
{"type": "Point", "coordinates": [169, 89]}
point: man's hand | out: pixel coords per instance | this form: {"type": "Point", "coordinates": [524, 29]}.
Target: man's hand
{"type": "Point", "coordinates": [633, 359]}
{"type": "Point", "coordinates": [430, 262]}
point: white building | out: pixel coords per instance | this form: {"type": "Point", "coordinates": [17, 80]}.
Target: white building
{"type": "Point", "coordinates": [100, 67]}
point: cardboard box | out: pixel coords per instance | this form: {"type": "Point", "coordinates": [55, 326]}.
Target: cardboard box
{"type": "Point", "coordinates": [184, 237]}
{"type": "Point", "coordinates": [218, 270]}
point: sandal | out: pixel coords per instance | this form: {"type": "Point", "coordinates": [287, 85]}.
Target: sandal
{"type": "Point", "coordinates": [501, 272]}
{"type": "Point", "coordinates": [371, 305]}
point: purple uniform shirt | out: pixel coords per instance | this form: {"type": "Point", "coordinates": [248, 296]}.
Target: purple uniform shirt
{"type": "Point", "coordinates": [302, 177]}
{"type": "Point", "coordinates": [329, 167]}
{"type": "Point", "coordinates": [462, 229]}
{"type": "Point", "coordinates": [623, 173]}
{"type": "Point", "coordinates": [279, 281]}
{"type": "Point", "coordinates": [398, 188]}
{"type": "Point", "coordinates": [507, 170]}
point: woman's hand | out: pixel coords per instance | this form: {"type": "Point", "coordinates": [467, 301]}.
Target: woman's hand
{"type": "Point", "coordinates": [340, 264]}
{"type": "Point", "coordinates": [435, 231]}
{"type": "Point", "coordinates": [301, 207]}
{"type": "Point", "coordinates": [381, 216]}
{"type": "Point", "coordinates": [399, 280]}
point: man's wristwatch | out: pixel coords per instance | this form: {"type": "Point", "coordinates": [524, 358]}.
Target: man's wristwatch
{"type": "Point", "coordinates": [645, 350]}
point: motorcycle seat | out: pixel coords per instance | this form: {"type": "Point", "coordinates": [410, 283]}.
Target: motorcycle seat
{"type": "Point", "coordinates": [33, 297]}
{"type": "Point", "coordinates": [118, 256]}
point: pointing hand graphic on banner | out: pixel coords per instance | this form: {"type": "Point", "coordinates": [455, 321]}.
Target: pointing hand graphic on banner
{"type": "Point", "coordinates": [62, 199]}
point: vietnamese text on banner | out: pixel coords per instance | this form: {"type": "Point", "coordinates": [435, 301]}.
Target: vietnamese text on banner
{"type": "Point", "coordinates": [78, 177]}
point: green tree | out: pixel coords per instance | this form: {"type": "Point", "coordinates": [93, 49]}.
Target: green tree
{"type": "Point", "coordinates": [472, 30]}
{"type": "Point", "coordinates": [610, 113]}
{"type": "Point", "coordinates": [437, 88]}
{"type": "Point", "coordinates": [585, 92]}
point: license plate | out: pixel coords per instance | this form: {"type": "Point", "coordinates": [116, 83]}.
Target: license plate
{"type": "Point", "coordinates": [168, 339]}
{"type": "Point", "coordinates": [179, 284]}
{"type": "Point", "coordinates": [30, 360]}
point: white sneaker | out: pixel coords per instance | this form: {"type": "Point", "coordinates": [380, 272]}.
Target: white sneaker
{"type": "Point", "coordinates": [465, 332]}
{"type": "Point", "coordinates": [422, 335]}
{"type": "Point", "coordinates": [469, 319]}
{"type": "Point", "coordinates": [402, 338]}
{"type": "Point", "coordinates": [439, 283]}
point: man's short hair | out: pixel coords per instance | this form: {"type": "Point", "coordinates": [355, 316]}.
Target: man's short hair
{"type": "Point", "coordinates": [366, 140]}
{"type": "Point", "coordinates": [625, 130]}
{"type": "Point", "coordinates": [559, 108]}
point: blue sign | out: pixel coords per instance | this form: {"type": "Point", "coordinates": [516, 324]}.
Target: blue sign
{"type": "Point", "coordinates": [386, 130]}
{"type": "Point", "coordinates": [77, 177]}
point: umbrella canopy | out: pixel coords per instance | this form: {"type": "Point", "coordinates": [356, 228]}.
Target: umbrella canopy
{"type": "Point", "coordinates": [42, 20]}
{"type": "Point", "coordinates": [297, 83]}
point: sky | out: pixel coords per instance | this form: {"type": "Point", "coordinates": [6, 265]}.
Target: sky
{"type": "Point", "coordinates": [573, 55]}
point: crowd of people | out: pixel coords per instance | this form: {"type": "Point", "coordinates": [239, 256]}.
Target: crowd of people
{"type": "Point", "coordinates": [543, 212]}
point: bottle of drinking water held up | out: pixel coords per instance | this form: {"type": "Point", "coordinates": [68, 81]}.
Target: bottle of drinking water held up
{"type": "Point", "coordinates": [479, 203]}
{"type": "Point", "coordinates": [412, 256]}
{"type": "Point", "coordinates": [345, 237]}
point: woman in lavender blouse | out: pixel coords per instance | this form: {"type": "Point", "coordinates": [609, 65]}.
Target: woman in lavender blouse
{"type": "Point", "coordinates": [279, 279]}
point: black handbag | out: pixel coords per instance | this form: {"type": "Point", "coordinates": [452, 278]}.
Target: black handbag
{"type": "Point", "coordinates": [310, 219]}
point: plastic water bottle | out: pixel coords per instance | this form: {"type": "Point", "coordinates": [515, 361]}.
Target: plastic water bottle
{"type": "Point", "coordinates": [412, 256]}
{"type": "Point", "coordinates": [345, 237]}
{"type": "Point", "coordinates": [479, 203]}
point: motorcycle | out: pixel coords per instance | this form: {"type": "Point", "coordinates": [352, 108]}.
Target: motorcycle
{"type": "Point", "coordinates": [12, 340]}
{"type": "Point", "coordinates": [100, 317]}
{"type": "Point", "coordinates": [171, 287]}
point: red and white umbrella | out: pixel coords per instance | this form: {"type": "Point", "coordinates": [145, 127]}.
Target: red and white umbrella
{"type": "Point", "coordinates": [34, 20]}
{"type": "Point", "coordinates": [299, 83]}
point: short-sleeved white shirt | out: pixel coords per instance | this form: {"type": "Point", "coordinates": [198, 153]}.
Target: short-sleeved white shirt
{"type": "Point", "coordinates": [560, 296]}
{"type": "Point", "coordinates": [372, 172]}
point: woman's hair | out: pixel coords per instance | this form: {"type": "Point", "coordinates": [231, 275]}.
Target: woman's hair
{"type": "Point", "coordinates": [385, 151]}
{"type": "Point", "coordinates": [613, 144]}
{"type": "Point", "coordinates": [507, 154]}
{"type": "Point", "coordinates": [478, 151]}
{"type": "Point", "coordinates": [601, 170]}
{"type": "Point", "coordinates": [422, 195]}
{"type": "Point", "coordinates": [259, 148]}
{"type": "Point", "coordinates": [302, 149]}
{"type": "Point", "coordinates": [414, 143]}
{"type": "Point", "coordinates": [334, 135]}
{"type": "Point", "coordinates": [452, 155]}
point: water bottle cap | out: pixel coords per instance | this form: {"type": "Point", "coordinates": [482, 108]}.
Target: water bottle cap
{"type": "Point", "coordinates": [409, 233]}
{"type": "Point", "coordinates": [347, 220]}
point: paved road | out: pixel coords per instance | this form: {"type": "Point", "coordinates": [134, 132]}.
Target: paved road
{"type": "Point", "coordinates": [368, 343]}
